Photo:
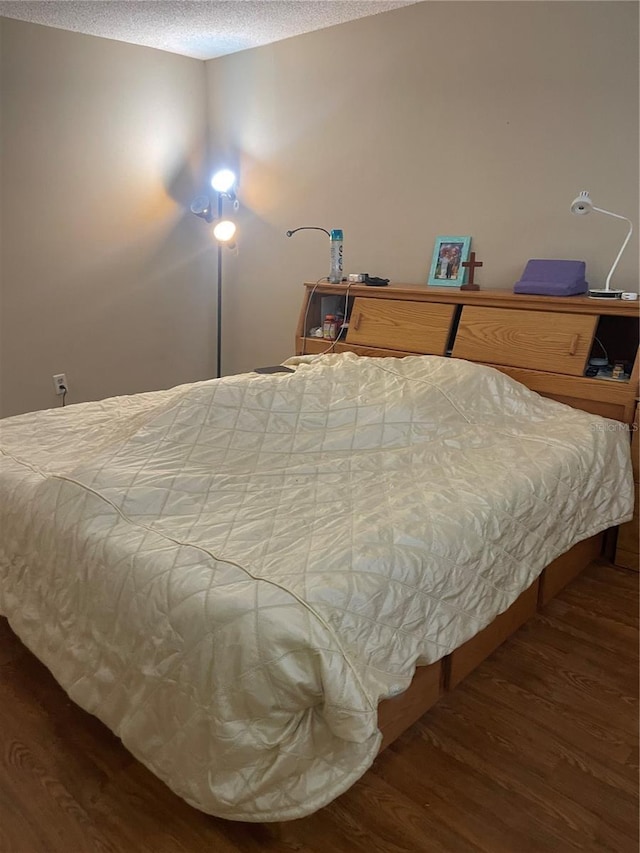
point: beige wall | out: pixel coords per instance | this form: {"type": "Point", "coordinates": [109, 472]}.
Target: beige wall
{"type": "Point", "coordinates": [440, 118]}
{"type": "Point", "coordinates": [104, 276]}
{"type": "Point", "coordinates": [471, 118]}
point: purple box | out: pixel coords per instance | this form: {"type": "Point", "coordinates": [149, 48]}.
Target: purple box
{"type": "Point", "coordinates": [553, 278]}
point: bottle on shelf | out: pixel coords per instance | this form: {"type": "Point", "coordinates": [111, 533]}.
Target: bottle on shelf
{"type": "Point", "coordinates": [335, 239]}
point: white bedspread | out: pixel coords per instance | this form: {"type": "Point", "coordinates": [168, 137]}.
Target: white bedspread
{"type": "Point", "coordinates": [232, 574]}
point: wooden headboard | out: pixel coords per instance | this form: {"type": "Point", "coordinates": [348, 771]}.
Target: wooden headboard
{"type": "Point", "coordinates": [542, 341]}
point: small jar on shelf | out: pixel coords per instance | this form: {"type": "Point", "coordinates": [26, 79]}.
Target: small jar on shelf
{"type": "Point", "coordinates": [330, 327]}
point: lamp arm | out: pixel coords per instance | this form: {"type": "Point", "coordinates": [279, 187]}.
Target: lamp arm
{"type": "Point", "coordinates": [624, 245]}
{"type": "Point", "coordinates": [308, 228]}
{"type": "Point", "coordinates": [609, 213]}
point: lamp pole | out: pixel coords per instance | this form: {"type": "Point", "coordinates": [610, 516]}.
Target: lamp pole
{"type": "Point", "coordinates": [224, 230]}
{"type": "Point", "coordinates": [219, 312]}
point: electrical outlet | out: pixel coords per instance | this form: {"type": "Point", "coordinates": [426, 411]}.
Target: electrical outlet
{"type": "Point", "coordinates": [60, 383]}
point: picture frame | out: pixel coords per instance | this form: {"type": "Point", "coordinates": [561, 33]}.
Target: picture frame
{"type": "Point", "coordinates": [446, 264]}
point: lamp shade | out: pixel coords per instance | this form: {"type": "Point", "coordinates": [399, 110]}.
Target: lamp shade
{"type": "Point", "coordinates": [201, 206]}
{"type": "Point", "coordinates": [582, 204]}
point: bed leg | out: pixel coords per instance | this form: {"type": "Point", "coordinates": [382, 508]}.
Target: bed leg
{"type": "Point", "coordinates": [609, 544]}
{"type": "Point", "coordinates": [268, 832]}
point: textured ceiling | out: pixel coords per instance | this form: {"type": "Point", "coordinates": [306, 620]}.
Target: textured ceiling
{"type": "Point", "coordinates": [202, 29]}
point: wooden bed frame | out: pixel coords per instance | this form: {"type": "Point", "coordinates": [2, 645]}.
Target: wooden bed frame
{"type": "Point", "coordinates": [430, 682]}
{"type": "Point", "coordinates": [541, 341]}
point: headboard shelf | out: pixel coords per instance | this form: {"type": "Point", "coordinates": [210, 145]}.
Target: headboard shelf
{"type": "Point", "coordinates": [491, 298]}
{"type": "Point", "coordinates": [543, 342]}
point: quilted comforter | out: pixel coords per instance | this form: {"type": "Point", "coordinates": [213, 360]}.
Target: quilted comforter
{"type": "Point", "coordinates": [233, 574]}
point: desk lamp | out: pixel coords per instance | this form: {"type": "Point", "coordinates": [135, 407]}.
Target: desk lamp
{"type": "Point", "coordinates": [583, 205]}
{"type": "Point", "coordinates": [223, 182]}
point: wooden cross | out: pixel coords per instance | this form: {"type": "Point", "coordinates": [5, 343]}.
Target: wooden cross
{"type": "Point", "coordinates": [471, 265]}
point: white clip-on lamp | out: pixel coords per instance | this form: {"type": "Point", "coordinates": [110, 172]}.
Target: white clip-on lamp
{"type": "Point", "coordinates": [224, 230]}
{"type": "Point", "coordinates": [583, 205]}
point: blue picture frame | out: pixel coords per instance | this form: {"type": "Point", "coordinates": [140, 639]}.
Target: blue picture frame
{"type": "Point", "coordinates": [446, 264]}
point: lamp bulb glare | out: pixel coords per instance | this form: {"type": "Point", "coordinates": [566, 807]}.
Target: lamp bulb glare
{"type": "Point", "coordinates": [223, 180]}
{"type": "Point", "coordinates": [224, 230]}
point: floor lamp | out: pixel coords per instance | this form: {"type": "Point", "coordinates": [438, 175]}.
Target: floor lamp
{"type": "Point", "coordinates": [224, 230]}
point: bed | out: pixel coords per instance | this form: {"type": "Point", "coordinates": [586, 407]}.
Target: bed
{"type": "Point", "coordinates": [238, 576]}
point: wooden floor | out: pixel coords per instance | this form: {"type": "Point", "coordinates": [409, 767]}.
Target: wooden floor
{"type": "Point", "coordinates": [536, 751]}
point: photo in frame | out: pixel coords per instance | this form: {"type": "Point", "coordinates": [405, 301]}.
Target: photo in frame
{"type": "Point", "coordinates": [446, 264]}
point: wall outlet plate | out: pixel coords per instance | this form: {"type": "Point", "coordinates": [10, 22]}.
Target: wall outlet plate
{"type": "Point", "coordinates": [60, 383]}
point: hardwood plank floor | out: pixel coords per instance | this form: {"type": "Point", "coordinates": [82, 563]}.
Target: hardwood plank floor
{"type": "Point", "coordinates": [536, 751]}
